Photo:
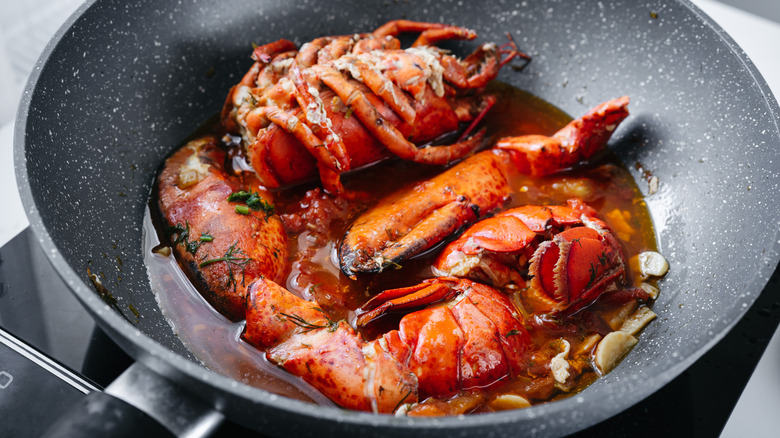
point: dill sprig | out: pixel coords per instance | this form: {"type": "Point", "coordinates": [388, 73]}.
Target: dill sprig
{"type": "Point", "coordinates": [180, 235]}
{"type": "Point", "coordinates": [592, 271]}
{"type": "Point", "coordinates": [309, 326]}
{"type": "Point", "coordinates": [234, 257]}
{"type": "Point", "coordinates": [411, 389]}
{"type": "Point", "coordinates": [603, 258]}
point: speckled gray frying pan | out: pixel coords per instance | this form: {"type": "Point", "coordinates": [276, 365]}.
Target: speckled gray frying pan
{"type": "Point", "coordinates": [124, 82]}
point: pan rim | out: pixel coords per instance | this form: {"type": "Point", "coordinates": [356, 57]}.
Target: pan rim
{"type": "Point", "coordinates": [154, 351]}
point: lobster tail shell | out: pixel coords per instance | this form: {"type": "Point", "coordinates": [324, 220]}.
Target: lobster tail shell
{"type": "Point", "coordinates": [298, 336]}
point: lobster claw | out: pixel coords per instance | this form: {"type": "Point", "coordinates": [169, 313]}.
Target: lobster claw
{"type": "Point", "coordinates": [427, 292]}
{"type": "Point", "coordinates": [576, 142]}
{"type": "Point", "coordinates": [573, 269]}
{"type": "Point", "coordinates": [417, 218]}
{"type": "Point", "coordinates": [576, 263]}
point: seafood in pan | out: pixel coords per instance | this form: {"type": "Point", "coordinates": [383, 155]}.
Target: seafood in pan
{"type": "Point", "coordinates": [457, 292]}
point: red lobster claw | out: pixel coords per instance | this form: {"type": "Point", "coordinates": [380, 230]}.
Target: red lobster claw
{"type": "Point", "coordinates": [573, 269]}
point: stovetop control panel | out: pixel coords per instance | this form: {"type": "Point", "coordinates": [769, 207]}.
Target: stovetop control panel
{"type": "Point", "coordinates": [34, 388]}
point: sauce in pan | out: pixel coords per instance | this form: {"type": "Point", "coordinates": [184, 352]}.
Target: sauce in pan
{"type": "Point", "coordinates": [314, 274]}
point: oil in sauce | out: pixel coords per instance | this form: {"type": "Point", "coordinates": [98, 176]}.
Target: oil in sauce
{"type": "Point", "coordinates": [314, 274]}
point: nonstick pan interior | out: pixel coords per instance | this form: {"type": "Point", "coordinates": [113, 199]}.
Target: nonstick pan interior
{"type": "Point", "coordinates": [122, 84]}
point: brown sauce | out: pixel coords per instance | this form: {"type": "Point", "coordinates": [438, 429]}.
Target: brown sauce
{"type": "Point", "coordinates": [314, 274]}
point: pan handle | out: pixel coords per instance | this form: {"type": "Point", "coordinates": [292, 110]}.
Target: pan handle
{"type": "Point", "coordinates": [139, 401]}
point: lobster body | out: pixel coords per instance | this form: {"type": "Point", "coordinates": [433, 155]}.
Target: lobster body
{"type": "Point", "coordinates": [221, 250]}
{"type": "Point", "coordinates": [340, 103]}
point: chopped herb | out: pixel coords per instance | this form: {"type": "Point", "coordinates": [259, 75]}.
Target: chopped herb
{"type": "Point", "coordinates": [402, 400]}
{"type": "Point", "coordinates": [603, 258]}
{"type": "Point", "coordinates": [180, 235]}
{"type": "Point", "coordinates": [252, 200]}
{"type": "Point", "coordinates": [592, 276]}
{"type": "Point", "coordinates": [309, 326]}
{"type": "Point", "coordinates": [512, 332]}
{"type": "Point", "coordinates": [192, 247]}
{"type": "Point", "coordinates": [348, 114]}
{"type": "Point", "coordinates": [206, 237]}
{"type": "Point", "coordinates": [257, 203]}
{"type": "Point", "coordinates": [240, 196]}
{"type": "Point", "coordinates": [233, 259]}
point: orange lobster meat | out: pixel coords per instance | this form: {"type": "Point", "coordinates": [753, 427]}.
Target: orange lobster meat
{"type": "Point", "coordinates": [475, 338]}
{"type": "Point", "coordinates": [343, 102]}
{"type": "Point", "coordinates": [415, 219]}
{"type": "Point", "coordinates": [221, 250]}
{"type": "Point", "coordinates": [298, 336]}
{"type": "Point", "coordinates": [576, 263]}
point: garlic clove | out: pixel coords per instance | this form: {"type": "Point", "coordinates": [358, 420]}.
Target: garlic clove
{"type": "Point", "coordinates": [509, 401]}
{"type": "Point", "coordinates": [636, 322]}
{"type": "Point", "coordinates": [611, 350]}
{"type": "Point", "coordinates": [652, 264]}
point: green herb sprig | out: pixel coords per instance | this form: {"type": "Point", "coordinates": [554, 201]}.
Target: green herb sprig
{"type": "Point", "coordinates": [309, 326]}
{"type": "Point", "coordinates": [251, 200]}
{"type": "Point", "coordinates": [513, 332]}
{"type": "Point", "coordinates": [180, 235]}
{"type": "Point", "coordinates": [235, 258]}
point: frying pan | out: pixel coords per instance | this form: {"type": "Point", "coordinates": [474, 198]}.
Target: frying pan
{"type": "Point", "coordinates": [122, 84]}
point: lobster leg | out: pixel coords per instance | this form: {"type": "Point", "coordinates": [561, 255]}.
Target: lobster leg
{"type": "Point", "coordinates": [385, 131]}
{"type": "Point", "coordinates": [480, 67]}
{"type": "Point", "coordinates": [579, 140]}
{"type": "Point", "coordinates": [337, 48]}
{"type": "Point", "coordinates": [264, 53]}
{"type": "Point", "coordinates": [315, 115]}
{"type": "Point", "coordinates": [307, 55]}
{"type": "Point", "coordinates": [430, 33]}
{"type": "Point", "coordinates": [260, 153]}
{"type": "Point", "coordinates": [403, 298]}
{"type": "Point", "coordinates": [328, 165]}
{"type": "Point", "coordinates": [393, 96]}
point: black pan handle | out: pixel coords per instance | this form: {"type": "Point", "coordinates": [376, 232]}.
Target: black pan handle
{"type": "Point", "coordinates": [102, 415]}
{"type": "Point", "coordinates": [138, 403]}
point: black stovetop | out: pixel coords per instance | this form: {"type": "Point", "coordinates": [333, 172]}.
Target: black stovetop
{"type": "Point", "coordinates": [36, 306]}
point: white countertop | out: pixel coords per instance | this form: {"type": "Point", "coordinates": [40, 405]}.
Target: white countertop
{"type": "Point", "coordinates": [756, 413]}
